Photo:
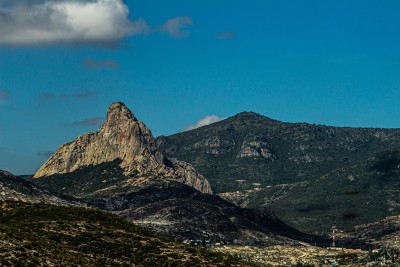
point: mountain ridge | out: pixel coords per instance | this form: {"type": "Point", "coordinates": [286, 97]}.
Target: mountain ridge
{"type": "Point", "coordinates": [254, 161]}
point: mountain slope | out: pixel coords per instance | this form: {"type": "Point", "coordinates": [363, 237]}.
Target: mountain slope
{"type": "Point", "coordinates": [253, 161]}
{"type": "Point", "coordinates": [172, 209]}
{"type": "Point", "coordinates": [124, 139]}
{"type": "Point", "coordinates": [16, 189]}
{"type": "Point", "coordinates": [70, 236]}
{"type": "Point", "coordinates": [181, 211]}
{"type": "Point", "coordinates": [383, 233]}
{"type": "Point", "coordinates": [365, 192]}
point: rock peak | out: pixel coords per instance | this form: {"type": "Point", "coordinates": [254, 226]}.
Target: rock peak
{"type": "Point", "coordinates": [118, 111]}
{"type": "Point", "coordinates": [128, 140]}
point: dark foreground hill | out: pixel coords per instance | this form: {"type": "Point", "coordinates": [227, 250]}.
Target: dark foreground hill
{"type": "Point", "coordinates": [48, 235]}
{"type": "Point", "coordinates": [181, 211]}
{"type": "Point", "coordinates": [311, 175]}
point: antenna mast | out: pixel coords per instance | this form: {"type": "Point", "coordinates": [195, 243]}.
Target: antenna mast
{"type": "Point", "coordinates": [334, 235]}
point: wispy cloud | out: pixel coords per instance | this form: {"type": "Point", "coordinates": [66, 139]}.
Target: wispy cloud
{"type": "Point", "coordinates": [41, 22]}
{"type": "Point", "coordinates": [225, 35]}
{"type": "Point", "coordinates": [4, 95]}
{"type": "Point", "coordinates": [82, 94]}
{"type": "Point", "coordinates": [46, 154]}
{"type": "Point", "coordinates": [98, 121]}
{"type": "Point", "coordinates": [203, 122]}
{"type": "Point", "coordinates": [177, 27]}
{"type": "Point", "coordinates": [73, 95]}
{"type": "Point", "coordinates": [46, 96]}
{"type": "Point", "coordinates": [140, 27]}
{"type": "Point", "coordinates": [100, 64]}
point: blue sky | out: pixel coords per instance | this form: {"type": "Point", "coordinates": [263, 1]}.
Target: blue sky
{"type": "Point", "coordinates": [175, 62]}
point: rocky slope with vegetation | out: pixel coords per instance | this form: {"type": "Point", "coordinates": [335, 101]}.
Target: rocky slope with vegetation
{"type": "Point", "coordinates": [181, 211]}
{"type": "Point", "coordinates": [48, 235]}
{"type": "Point", "coordinates": [172, 208]}
{"type": "Point", "coordinates": [312, 175]}
{"type": "Point", "coordinates": [383, 233]}
{"type": "Point", "coordinates": [13, 188]}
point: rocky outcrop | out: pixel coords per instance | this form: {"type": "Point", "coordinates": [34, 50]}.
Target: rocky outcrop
{"type": "Point", "coordinates": [124, 138]}
{"type": "Point", "coordinates": [189, 176]}
{"type": "Point", "coordinates": [254, 149]}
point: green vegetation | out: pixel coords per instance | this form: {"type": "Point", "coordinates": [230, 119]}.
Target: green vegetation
{"type": "Point", "coordinates": [348, 196]}
{"type": "Point", "coordinates": [47, 235]}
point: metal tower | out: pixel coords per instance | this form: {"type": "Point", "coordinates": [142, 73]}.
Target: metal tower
{"type": "Point", "coordinates": [333, 235]}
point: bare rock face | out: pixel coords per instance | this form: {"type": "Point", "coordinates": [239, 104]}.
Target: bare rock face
{"type": "Point", "coordinates": [125, 138]}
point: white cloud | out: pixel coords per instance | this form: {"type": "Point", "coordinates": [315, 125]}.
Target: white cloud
{"type": "Point", "coordinates": [177, 27]}
{"type": "Point", "coordinates": [203, 122]}
{"type": "Point", "coordinates": [95, 22]}
{"type": "Point", "coordinates": [39, 22]}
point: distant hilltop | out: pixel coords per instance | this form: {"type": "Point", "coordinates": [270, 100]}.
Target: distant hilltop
{"type": "Point", "coordinates": [311, 175]}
